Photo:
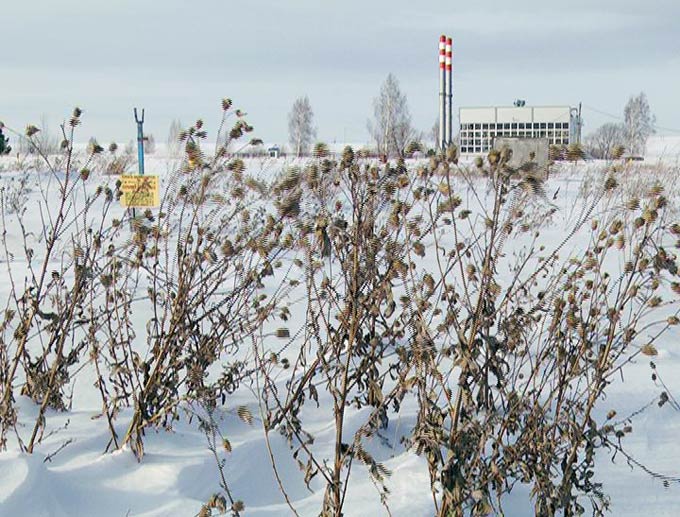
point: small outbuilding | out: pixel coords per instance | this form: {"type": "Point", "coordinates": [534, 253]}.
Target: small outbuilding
{"type": "Point", "coordinates": [527, 153]}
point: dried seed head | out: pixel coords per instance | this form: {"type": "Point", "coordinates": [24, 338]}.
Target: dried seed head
{"type": "Point", "coordinates": [590, 263]}
{"type": "Point", "coordinates": [655, 190]}
{"type": "Point", "coordinates": [238, 192]}
{"type": "Point", "coordinates": [494, 157]}
{"type": "Point", "coordinates": [654, 301]}
{"type": "Point", "coordinates": [571, 320]}
{"type": "Point", "coordinates": [470, 269]}
{"type": "Point", "coordinates": [633, 203]}
{"type": "Point", "coordinates": [649, 350]}
{"type": "Point", "coordinates": [650, 216]}
{"type": "Point", "coordinates": [227, 248]}
{"type": "Point", "coordinates": [618, 151]}
{"type": "Point", "coordinates": [428, 282]}
{"type": "Point", "coordinates": [610, 183]}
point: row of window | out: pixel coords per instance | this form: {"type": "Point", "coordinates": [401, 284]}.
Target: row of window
{"type": "Point", "coordinates": [516, 125]}
{"type": "Point", "coordinates": [486, 145]}
{"type": "Point", "coordinates": [482, 141]}
{"type": "Point", "coordinates": [487, 142]}
{"type": "Point", "coordinates": [519, 133]}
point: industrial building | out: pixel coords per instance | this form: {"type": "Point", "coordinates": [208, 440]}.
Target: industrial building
{"type": "Point", "coordinates": [479, 126]}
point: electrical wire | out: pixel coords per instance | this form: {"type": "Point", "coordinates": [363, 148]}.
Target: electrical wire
{"type": "Point", "coordinates": [618, 117]}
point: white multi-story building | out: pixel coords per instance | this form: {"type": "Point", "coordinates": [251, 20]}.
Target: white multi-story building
{"type": "Point", "coordinates": [479, 126]}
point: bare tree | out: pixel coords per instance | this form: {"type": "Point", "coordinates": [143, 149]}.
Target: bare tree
{"type": "Point", "coordinates": [149, 144]}
{"type": "Point", "coordinates": [605, 139]}
{"type": "Point", "coordinates": [639, 123]}
{"type": "Point", "coordinates": [434, 133]}
{"type": "Point", "coordinates": [301, 130]}
{"type": "Point", "coordinates": [391, 128]}
{"type": "Point", "coordinates": [45, 141]}
{"type": "Point", "coordinates": [174, 145]}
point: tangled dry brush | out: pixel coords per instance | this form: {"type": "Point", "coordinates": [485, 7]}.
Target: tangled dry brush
{"type": "Point", "coordinates": [428, 285]}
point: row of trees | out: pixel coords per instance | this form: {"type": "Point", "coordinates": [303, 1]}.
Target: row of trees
{"type": "Point", "coordinates": [390, 128]}
{"type": "Point", "coordinates": [632, 133]}
{"type": "Point", "coordinates": [45, 141]}
{"type": "Point", "coordinates": [392, 131]}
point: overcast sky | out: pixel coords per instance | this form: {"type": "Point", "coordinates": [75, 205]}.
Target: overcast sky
{"type": "Point", "coordinates": [178, 58]}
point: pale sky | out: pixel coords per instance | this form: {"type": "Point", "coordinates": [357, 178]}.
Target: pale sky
{"type": "Point", "coordinates": [178, 58]}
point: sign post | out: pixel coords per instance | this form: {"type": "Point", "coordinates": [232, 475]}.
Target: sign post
{"type": "Point", "coordinates": [139, 191]}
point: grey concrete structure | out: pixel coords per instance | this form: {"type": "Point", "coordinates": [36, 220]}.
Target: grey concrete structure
{"type": "Point", "coordinates": [526, 151]}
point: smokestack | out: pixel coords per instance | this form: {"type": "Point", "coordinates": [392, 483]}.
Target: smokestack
{"type": "Point", "coordinates": [449, 91]}
{"type": "Point", "coordinates": [442, 93]}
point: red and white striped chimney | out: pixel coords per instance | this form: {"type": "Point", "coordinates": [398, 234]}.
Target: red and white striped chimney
{"type": "Point", "coordinates": [442, 92]}
{"type": "Point", "coordinates": [449, 91]}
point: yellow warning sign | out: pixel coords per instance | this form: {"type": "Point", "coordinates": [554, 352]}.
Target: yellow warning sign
{"type": "Point", "coordinates": [140, 191]}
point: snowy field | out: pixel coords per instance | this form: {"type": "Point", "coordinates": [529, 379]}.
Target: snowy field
{"type": "Point", "coordinates": [69, 473]}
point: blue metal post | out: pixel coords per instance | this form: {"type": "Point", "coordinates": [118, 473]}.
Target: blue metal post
{"type": "Point", "coordinates": [140, 148]}
{"type": "Point", "coordinates": [140, 141]}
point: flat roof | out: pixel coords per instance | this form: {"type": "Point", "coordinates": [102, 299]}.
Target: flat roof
{"type": "Point", "coordinates": [518, 107]}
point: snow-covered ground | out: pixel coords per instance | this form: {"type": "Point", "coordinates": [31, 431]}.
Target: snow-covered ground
{"type": "Point", "coordinates": [70, 474]}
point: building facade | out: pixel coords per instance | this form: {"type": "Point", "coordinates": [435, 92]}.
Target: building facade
{"type": "Point", "coordinates": [479, 126]}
